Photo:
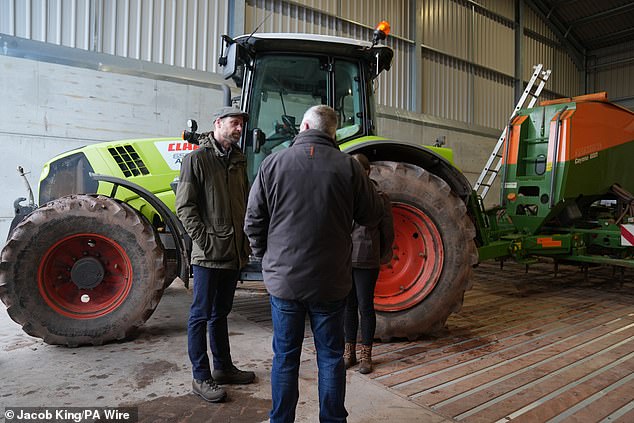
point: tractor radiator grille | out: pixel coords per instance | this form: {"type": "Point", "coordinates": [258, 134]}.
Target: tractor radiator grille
{"type": "Point", "coordinates": [128, 160]}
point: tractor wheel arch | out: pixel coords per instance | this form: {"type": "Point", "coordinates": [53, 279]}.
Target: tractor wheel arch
{"type": "Point", "coordinates": [417, 155]}
{"type": "Point", "coordinates": [175, 241]}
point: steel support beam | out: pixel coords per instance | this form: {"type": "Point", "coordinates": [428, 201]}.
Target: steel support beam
{"type": "Point", "coordinates": [417, 64]}
{"type": "Point", "coordinates": [576, 50]}
{"type": "Point", "coordinates": [236, 17]}
{"type": "Point", "coordinates": [519, 51]}
{"type": "Point", "coordinates": [603, 14]}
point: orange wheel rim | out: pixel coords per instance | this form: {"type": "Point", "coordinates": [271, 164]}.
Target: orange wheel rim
{"type": "Point", "coordinates": [416, 262]}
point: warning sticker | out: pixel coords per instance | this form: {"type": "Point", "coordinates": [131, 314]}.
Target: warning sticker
{"type": "Point", "coordinates": [627, 235]}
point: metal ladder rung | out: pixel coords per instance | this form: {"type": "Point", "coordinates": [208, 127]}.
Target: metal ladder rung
{"type": "Point", "coordinates": [537, 81]}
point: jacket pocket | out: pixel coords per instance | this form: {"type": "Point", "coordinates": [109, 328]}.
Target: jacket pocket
{"type": "Point", "coordinates": [221, 242]}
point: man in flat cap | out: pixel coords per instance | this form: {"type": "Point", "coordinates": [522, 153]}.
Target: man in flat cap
{"type": "Point", "coordinates": [211, 202]}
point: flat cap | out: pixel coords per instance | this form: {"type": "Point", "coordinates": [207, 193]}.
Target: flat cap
{"type": "Point", "coordinates": [229, 111]}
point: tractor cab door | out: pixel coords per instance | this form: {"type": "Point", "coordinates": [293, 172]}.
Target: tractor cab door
{"type": "Point", "coordinates": [283, 86]}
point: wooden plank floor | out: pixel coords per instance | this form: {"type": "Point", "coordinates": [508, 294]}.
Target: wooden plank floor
{"type": "Point", "coordinates": [527, 346]}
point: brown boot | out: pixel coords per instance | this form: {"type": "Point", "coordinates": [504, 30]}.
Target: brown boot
{"type": "Point", "coordinates": [365, 359]}
{"type": "Point", "coordinates": [350, 354]}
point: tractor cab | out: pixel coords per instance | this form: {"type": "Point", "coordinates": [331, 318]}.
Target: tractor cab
{"type": "Point", "coordinates": [282, 75]}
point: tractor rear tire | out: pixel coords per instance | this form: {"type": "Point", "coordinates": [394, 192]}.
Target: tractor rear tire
{"type": "Point", "coordinates": [434, 253]}
{"type": "Point", "coordinates": [82, 269]}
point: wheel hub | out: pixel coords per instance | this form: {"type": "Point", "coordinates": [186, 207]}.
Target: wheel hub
{"type": "Point", "coordinates": [416, 264]}
{"type": "Point", "coordinates": [87, 273]}
{"type": "Point", "coordinates": [85, 276]}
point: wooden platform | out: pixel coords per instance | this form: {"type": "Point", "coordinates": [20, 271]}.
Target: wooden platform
{"type": "Point", "coordinates": [527, 346]}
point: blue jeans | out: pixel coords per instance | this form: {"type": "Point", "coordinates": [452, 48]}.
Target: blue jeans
{"type": "Point", "coordinates": [211, 303]}
{"type": "Point", "coordinates": [326, 321]}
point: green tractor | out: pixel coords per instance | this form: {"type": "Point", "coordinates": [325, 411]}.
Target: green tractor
{"type": "Point", "coordinates": [89, 265]}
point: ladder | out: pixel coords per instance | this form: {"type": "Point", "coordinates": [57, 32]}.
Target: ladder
{"type": "Point", "coordinates": [494, 163]}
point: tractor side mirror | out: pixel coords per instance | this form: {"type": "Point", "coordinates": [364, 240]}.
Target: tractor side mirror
{"type": "Point", "coordinates": [258, 139]}
{"type": "Point", "coordinates": [228, 60]}
{"type": "Point", "coordinates": [233, 57]}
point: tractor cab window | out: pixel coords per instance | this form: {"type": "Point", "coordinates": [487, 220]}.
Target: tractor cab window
{"type": "Point", "coordinates": [283, 87]}
{"type": "Point", "coordinates": [347, 99]}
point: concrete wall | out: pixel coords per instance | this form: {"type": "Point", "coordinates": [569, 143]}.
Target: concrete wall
{"type": "Point", "coordinates": [48, 108]}
{"type": "Point", "coordinates": [471, 144]}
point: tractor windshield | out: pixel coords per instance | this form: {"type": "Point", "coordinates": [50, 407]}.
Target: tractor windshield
{"type": "Point", "coordinates": [283, 87]}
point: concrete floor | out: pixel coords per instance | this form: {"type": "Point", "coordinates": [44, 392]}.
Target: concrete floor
{"type": "Point", "coordinates": [152, 372]}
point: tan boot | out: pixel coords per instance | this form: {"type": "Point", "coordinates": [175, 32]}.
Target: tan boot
{"type": "Point", "coordinates": [365, 359]}
{"type": "Point", "coordinates": [350, 354]}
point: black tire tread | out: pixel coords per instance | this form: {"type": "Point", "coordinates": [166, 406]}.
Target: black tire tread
{"type": "Point", "coordinates": [12, 263]}
{"type": "Point", "coordinates": [448, 211]}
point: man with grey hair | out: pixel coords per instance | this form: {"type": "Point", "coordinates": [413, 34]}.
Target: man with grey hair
{"type": "Point", "coordinates": [299, 220]}
{"type": "Point", "coordinates": [322, 118]}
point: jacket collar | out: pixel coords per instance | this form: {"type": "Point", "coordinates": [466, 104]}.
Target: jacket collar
{"type": "Point", "coordinates": [314, 136]}
{"type": "Point", "coordinates": [210, 142]}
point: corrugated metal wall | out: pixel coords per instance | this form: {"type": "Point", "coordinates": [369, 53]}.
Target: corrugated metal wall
{"type": "Point", "coordinates": [618, 81]}
{"type": "Point", "coordinates": [566, 79]}
{"type": "Point", "coordinates": [504, 8]}
{"type": "Point", "coordinates": [353, 19]}
{"type": "Point", "coordinates": [612, 70]}
{"type": "Point", "coordinates": [293, 16]}
{"type": "Point", "coordinates": [182, 33]}
{"type": "Point", "coordinates": [468, 55]}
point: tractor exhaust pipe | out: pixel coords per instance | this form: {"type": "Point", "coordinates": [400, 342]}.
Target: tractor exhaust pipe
{"type": "Point", "coordinates": [226, 95]}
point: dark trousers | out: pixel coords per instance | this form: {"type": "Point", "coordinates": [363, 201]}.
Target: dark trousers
{"type": "Point", "coordinates": [360, 301]}
{"type": "Point", "coordinates": [326, 322]}
{"type": "Point", "coordinates": [211, 303]}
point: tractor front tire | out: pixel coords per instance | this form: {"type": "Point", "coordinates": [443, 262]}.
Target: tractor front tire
{"type": "Point", "coordinates": [82, 269]}
{"type": "Point", "coordinates": [434, 252]}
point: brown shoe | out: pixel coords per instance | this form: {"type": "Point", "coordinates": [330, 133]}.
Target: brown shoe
{"type": "Point", "coordinates": [365, 359]}
{"type": "Point", "coordinates": [350, 354]}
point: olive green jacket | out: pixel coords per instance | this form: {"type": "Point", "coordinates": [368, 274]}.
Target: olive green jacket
{"type": "Point", "coordinates": [211, 202]}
